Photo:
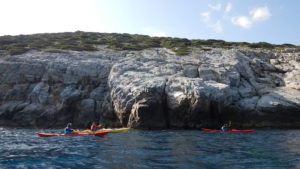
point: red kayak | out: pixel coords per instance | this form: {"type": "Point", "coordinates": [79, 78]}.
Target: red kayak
{"type": "Point", "coordinates": [99, 134]}
{"type": "Point", "coordinates": [229, 131]}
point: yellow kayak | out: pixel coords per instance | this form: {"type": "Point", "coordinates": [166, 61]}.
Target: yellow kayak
{"type": "Point", "coordinates": [115, 130]}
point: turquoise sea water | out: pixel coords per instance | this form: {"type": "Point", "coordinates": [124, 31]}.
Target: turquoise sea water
{"type": "Point", "coordinates": [187, 149]}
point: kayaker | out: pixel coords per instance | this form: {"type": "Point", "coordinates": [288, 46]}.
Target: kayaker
{"type": "Point", "coordinates": [68, 129]}
{"type": "Point", "coordinates": [226, 127]}
{"type": "Point", "coordinates": [95, 127]}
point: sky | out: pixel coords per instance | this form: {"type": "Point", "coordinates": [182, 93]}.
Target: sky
{"type": "Point", "coordinates": [273, 21]}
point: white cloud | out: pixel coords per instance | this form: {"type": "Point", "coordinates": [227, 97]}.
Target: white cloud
{"type": "Point", "coordinates": [205, 16]}
{"type": "Point", "coordinates": [242, 21]}
{"type": "Point", "coordinates": [211, 23]}
{"type": "Point", "coordinates": [217, 27]}
{"type": "Point", "coordinates": [255, 15]}
{"type": "Point", "coordinates": [260, 14]}
{"type": "Point", "coordinates": [216, 14]}
{"type": "Point", "coordinates": [215, 7]}
{"type": "Point", "coordinates": [228, 7]}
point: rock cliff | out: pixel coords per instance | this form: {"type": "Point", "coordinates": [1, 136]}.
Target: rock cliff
{"type": "Point", "coordinates": [152, 88]}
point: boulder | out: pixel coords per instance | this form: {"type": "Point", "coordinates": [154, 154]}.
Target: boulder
{"type": "Point", "coordinates": [70, 94]}
{"type": "Point", "coordinates": [29, 115]}
{"type": "Point", "coordinates": [40, 94]}
{"type": "Point", "coordinates": [86, 112]}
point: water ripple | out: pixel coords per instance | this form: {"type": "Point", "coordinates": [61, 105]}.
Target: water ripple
{"type": "Point", "coordinates": [21, 148]}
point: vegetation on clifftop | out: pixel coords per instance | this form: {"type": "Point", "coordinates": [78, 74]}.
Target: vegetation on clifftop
{"type": "Point", "coordinates": [88, 41]}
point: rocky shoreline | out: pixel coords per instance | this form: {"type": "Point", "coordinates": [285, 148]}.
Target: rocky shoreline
{"type": "Point", "coordinates": [152, 88]}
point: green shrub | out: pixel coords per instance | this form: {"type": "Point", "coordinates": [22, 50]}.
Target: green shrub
{"type": "Point", "coordinates": [263, 45]}
{"type": "Point", "coordinates": [182, 51]}
{"type": "Point", "coordinates": [87, 41]}
{"type": "Point", "coordinates": [16, 50]}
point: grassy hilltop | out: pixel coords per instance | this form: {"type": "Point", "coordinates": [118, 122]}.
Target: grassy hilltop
{"type": "Point", "coordinates": [88, 41]}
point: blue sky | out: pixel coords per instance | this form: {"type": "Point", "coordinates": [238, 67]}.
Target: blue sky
{"type": "Point", "coordinates": [274, 21]}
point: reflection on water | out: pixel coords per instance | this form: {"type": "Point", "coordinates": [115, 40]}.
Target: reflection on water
{"type": "Point", "coordinates": [21, 148]}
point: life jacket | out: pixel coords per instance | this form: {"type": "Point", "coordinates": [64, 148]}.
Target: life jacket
{"type": "Point", "coordinates": [94, 127]}
{"type": "Point", "coordinates": [68, 130]}
{"type": "Point", "coordinates": [223, 128]}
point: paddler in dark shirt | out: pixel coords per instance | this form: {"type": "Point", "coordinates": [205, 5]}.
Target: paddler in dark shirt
{"type": "Point", "coordinates": [95, 127]}
{"type": "Point", "coordinates": [226, 127]}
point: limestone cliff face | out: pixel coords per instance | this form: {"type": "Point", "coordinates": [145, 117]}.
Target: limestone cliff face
{"type": "Point", "coordinates": [151, 89]}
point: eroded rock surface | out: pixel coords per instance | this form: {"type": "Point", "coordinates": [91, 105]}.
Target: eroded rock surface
{"type": "Point", "coordinates": [151, 89]}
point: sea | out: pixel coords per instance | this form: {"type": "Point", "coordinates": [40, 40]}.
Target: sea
{"type": "Point", "coordinates": [159, 149]}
